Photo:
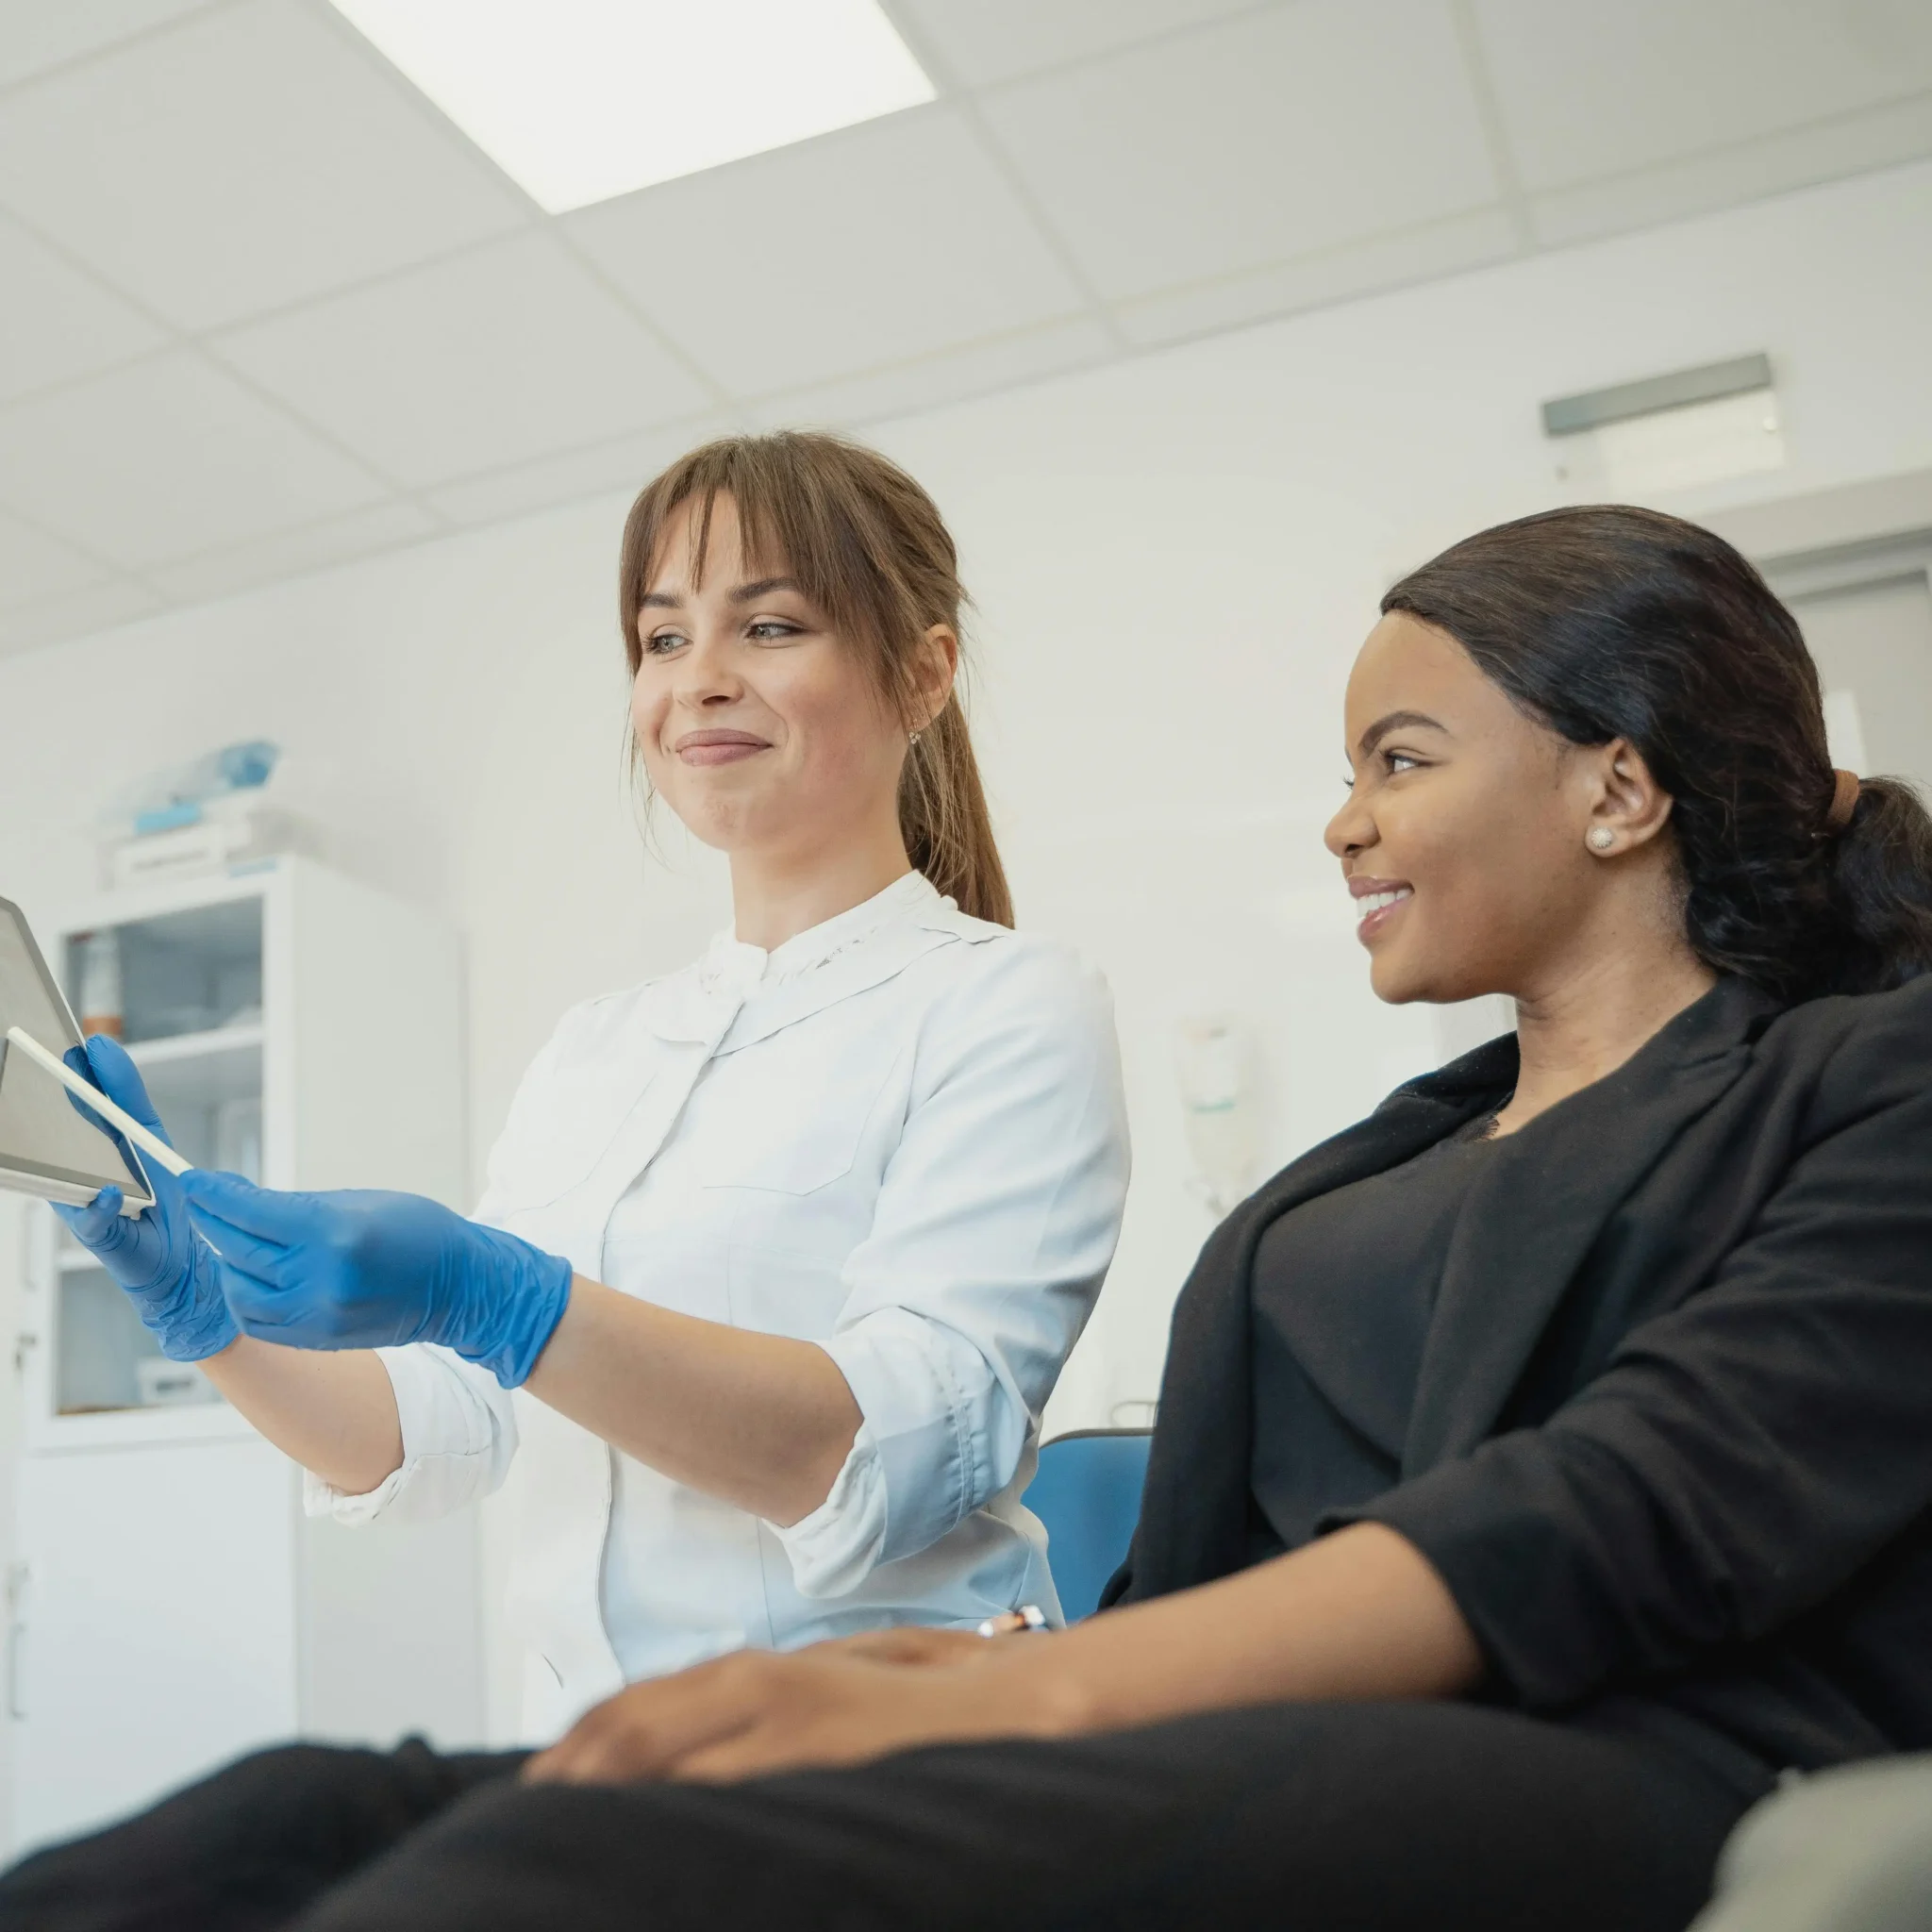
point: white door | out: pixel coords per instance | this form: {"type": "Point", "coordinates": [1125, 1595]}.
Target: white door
{"type": "Point", "coordinates": [155, 1630]}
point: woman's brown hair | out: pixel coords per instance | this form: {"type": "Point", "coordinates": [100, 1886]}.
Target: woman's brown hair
{"type": "Point", "coordinates": [869, 547]}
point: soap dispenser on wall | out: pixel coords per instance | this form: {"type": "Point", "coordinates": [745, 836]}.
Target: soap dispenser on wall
{"type": "Point", "coordinates": [1218, 1067]}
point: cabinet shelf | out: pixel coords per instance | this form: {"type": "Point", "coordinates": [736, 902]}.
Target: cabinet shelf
{"type": "Point", "coordinates": [138, 1427]}
{"type": "Point", "coordinates": [215, 1043]}
{"type": "Point", "coordinates": [200, 1070]}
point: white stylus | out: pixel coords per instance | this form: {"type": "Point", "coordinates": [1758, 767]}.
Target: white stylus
{"type": "Point", "coordinates": [98, 1102]}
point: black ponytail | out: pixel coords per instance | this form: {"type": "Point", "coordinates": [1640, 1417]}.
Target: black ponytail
{"type": "Point", "coordinates": [1619, 623]}
{"type": "Point", "coordinates": [1882, 873]}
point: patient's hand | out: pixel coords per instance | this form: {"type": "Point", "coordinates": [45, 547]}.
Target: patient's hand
{"type": "Point", "coordinates": [841, 1702]}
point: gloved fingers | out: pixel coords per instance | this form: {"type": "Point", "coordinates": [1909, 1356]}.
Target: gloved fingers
{"type": "Point", "coordinates": [100, 1225]}
{"type": "Point", "coordinates": [254, 1300]}
{"type": "Point", "coordinates": [108, 1067]}
{"type": "Point", "coordinates": [76, 1059]}
{"type": "Point", "coordinates": [159, 1181]}
{"type": "Point", "coordinates": [239, 1248]}
{"type": "Point", "coordinates": [269, 1312]}
{"type": "Point", "coordinates": [262, 1323]}
{"type": "Point", "coordinates": [285, 1219]}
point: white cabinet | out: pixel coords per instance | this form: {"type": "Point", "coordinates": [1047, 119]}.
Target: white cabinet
{"type": "Point", "coordinates": [154, 1633]}
{"type": "Point", "coordinates": [171, 1606]}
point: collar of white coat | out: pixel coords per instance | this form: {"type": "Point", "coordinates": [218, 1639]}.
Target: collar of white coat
{"type": "Point", "coordinates": [736, 994]}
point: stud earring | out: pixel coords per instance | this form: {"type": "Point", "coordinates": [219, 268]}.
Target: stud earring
{"type": "Point", "coordinates": [1601, 840]}
{"type": "Point", "coordinates": [911, 739]}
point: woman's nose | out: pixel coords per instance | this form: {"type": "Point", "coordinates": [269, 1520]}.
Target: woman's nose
{"type": "Point", "coordinates": [1350, 830]}
{"type": "Point", "coordinates": [706, 676]}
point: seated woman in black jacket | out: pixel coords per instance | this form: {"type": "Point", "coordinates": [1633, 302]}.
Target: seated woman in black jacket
{"type": "Point", "coordinates": [1544, 1465]}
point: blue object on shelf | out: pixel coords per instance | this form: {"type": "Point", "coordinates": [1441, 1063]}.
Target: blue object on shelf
{"type": "Point", "coordinates": [244, 766]}
{"type": "Point", "coordinates": [166, 801]}
{"type": "Point", "coordinates": [168, 818]}
{"type": "Point", "coordinates": [1086, 1492]}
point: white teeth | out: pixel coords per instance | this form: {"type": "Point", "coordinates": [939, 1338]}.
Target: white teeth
{"type": "Point", "coordinates": [1374, 901]}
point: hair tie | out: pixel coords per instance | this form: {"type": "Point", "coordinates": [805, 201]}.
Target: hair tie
{"type": "Point", "coordinates": [1844, 799]}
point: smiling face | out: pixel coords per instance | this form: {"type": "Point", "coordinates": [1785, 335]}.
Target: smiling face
{"type": "Point", "coordinates": [759, 726]}
{"type": "Point", "coordinates": [1464, 837]}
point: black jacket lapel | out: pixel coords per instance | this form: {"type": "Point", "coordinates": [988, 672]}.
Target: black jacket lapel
{"type": "Point", "coordinates": [1509, 1265]}
{"type": "Point", "coordinates": [1193, 1520]}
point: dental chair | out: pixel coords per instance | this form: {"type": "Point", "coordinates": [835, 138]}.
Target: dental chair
{"type": "Point", "coordinates": [1086, 1492]}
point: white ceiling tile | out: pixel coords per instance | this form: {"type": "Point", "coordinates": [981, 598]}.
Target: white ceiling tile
{"type": "Point", "coordinates": [76, 614]}
{"type": "Point", "coordinates": [248, 159]}
{"type": "Point", "coordinates": [990, 40]}
{"type": "Point", "coordinates": [1591, 90]}
{"type": "Point", "coordinates": [1746, 173]}
{"type": "Point", "coordinates": [34, 567]}
{"type": "Point", "coordinates": [57, 322]}
{"type": "Point", "coordinates": [1339, 275]}
{"type": "Point", "coordinates": [1249, 143]}
{"type": "Point", "coordinates": [35, 35]}
{"type": "Point", "coordinates": [935, 381]}
{"type": "Point", "coordinates": [493, 357]}
{"type": "Point", "coordinates": [165, 458]}
{"type": "Point", "coordinates": [885, 241]}
{"type": "Point", "coordinates": [292, 553]}
{"type": "Point", "coordinates": [624, 463]}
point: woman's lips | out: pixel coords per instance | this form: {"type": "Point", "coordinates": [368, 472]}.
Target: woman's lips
{"type": "Point", "coordinates": [1377, 903]}
{"type": "Point", "coordinates": [717, 747]}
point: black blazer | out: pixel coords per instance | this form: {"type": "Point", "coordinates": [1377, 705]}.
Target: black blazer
{"type": "Point", "coordinates": [1672, 1442]}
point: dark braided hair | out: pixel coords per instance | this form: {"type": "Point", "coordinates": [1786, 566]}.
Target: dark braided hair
{"type": "Point", "coordinates": [1612, 622]}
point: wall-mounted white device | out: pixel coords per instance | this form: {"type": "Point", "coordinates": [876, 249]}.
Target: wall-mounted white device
{"type": "Point", "coordinates": [1668, 432]}
{"type": "Point", "coordinates": [1217, 1063]}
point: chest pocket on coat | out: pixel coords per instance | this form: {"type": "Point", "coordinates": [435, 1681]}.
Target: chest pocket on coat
{"type": "Point", "coordinates": [815, 1101]}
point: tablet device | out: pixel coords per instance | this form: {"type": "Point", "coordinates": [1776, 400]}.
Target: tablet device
{"type": "Point", "coordinates": [46, 1148]}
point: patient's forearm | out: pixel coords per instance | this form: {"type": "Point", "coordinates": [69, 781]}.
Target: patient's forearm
{"type": "Point", "coordinates": [333, 1412]}
{"type": "Point", "coordinates": [1359, 1614]}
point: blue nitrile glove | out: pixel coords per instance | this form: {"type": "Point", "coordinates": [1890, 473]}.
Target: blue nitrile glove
{"type": "Point", "coordinates": [361, 1267]}
{"type": "Point", "coordinates": [172, 1277]}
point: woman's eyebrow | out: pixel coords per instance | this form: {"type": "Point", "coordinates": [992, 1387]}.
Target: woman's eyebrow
{"type": "Point", "coordinates": [1395, 721]}
{"type": "Point", "coordinates": [750, 593]}
{"type": "Point", "coordinates": [745, 594]}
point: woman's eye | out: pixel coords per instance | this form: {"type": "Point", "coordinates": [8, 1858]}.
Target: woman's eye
{"type": "Point", "coordinates": [769, 630]}
{"type": "Point", "coordinates": [1400, 761]}
{"type": "Point", "coordinates": [661, 642]}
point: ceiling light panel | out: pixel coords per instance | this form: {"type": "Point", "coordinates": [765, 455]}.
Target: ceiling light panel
{"type": "Point", "coordinates": [581, 100]}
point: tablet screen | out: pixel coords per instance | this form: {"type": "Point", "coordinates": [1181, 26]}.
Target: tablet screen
{"type": "Point", "coordinates": [39, 1132]}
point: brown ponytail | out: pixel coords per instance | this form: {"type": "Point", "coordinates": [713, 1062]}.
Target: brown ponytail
{"type": "Point", "coordinates": [867, 546]}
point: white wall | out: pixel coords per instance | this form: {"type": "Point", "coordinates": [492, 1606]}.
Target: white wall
{"type": "Point", "coordinates": [1174, 559]}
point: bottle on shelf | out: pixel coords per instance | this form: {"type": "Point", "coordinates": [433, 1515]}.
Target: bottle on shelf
{"type": "Point", "coordinates": [100, 982]}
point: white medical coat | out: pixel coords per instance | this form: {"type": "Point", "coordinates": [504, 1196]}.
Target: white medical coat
{"type": "Point", "coordinates": [901, 1135]}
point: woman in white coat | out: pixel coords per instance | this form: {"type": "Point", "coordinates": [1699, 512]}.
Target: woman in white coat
{"type": "Point", "coordinates": [780, 1256]}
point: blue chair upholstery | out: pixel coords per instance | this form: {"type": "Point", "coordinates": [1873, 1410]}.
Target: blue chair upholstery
{"type": "Point", "coordinates": [1086, 1492]}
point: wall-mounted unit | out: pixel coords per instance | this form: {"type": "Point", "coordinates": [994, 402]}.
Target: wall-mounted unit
{"type": "Point", "coordinates": [1670, 432]}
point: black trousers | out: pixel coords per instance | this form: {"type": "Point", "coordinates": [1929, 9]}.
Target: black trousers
{"type": "Point", "coordinates": [1295, 1818]}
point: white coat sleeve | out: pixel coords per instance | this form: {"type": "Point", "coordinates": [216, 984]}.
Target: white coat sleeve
{"type": "Point", "coordinates": [458, 1426]}
{"type": "Point", "coordinates": [459, 1436]}
{"type": "Point", "coordinates": [995, 1227]}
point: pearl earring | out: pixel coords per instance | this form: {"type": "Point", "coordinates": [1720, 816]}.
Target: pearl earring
{"type": "Point", "coordinates": [912, 738]}
{"type": "Point", "coordinates": [1601, 840]}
